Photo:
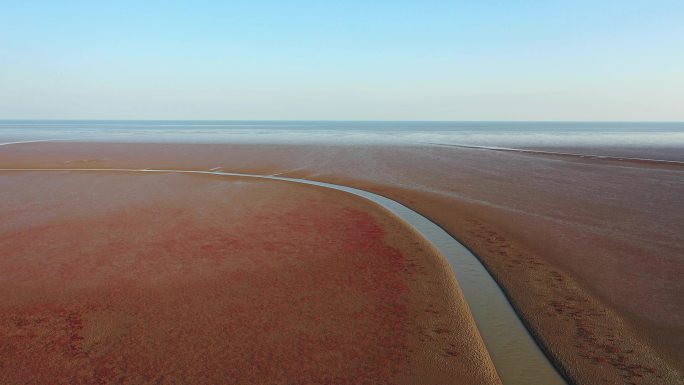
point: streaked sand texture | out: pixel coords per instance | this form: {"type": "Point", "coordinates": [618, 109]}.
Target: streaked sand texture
{"type": "Point", "coordinates": [166, 278]}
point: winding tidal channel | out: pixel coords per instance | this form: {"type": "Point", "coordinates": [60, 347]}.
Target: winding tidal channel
{"type": "Point", "coordinates": [516, 356]}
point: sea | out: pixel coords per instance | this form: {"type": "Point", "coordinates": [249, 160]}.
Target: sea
{"type": "Point", "coordinates": [662, 140]}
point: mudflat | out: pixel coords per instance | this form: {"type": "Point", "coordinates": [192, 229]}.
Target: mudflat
{"type": "Point", "coordinates": [166, 278]}
{"type": "Point", "coordinates": [589, 251]}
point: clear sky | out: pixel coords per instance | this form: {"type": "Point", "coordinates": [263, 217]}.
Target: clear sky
{"type": "Point", "coordinates": [343, 60]}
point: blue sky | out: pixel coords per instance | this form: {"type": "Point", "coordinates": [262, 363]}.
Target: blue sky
{"type": "Point", "coordinates": [356, 60]}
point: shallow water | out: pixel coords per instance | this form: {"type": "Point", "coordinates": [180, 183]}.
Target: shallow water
{"type": "Point", "coordinates": [504, 134]}
{"type": "Point", "coordinates": [515, 354]}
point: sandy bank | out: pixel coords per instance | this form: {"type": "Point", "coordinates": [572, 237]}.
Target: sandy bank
{"type": "Point", "coordinates": [589, 251]}
{"type": "Point", "coordinates": [194, 279]}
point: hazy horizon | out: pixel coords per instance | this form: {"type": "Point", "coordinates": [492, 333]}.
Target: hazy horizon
{"type": "Point", "coordinates": [313, 61]}
{"type": "Point", "coordinates": [219, 120]}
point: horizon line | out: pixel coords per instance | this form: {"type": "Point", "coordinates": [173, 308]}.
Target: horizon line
{"type": "Point", "coordinates": [336, 120]}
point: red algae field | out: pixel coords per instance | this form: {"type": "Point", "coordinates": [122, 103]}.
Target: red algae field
{"type": "Point", "coordinates": [120, 278]}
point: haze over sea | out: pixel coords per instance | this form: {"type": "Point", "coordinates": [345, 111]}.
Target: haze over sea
{"type": "Point", "coordinates": [660, 140]}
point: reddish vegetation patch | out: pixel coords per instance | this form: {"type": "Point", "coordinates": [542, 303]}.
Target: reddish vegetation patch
{"type": "Point", "coordinates": [266, 293]}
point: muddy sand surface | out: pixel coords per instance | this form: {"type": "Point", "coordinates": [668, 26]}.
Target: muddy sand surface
{"type": "Point", "coordinates": [168, 278]}
{"type": "Point", "coordinates": [590, 252]}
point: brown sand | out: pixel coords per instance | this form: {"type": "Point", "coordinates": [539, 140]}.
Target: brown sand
{"type": "Point", "coordinates": [591, 252]}
{"type": "Point", "coordinates": [168, 278]}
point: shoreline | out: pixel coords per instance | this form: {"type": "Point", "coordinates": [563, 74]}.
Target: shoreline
{"type": "Point", "coordinates": [578, 156]}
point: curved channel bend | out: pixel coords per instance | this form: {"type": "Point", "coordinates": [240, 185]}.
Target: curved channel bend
{"type": "Point", "coordinates": [516, 356]}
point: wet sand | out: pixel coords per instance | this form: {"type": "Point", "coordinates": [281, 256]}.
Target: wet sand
{"type": "Point", "coordinates": [589, 251]}
{"type": "Point", "coordinates": [172, 278]}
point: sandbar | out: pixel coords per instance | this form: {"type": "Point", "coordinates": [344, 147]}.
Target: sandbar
{"type": "Point", "coordinates": [167, 278]}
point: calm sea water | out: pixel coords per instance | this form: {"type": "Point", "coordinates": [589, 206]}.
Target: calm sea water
{"type": "Point", "coordinates": [622, 135]}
